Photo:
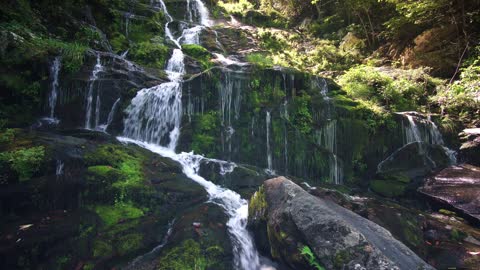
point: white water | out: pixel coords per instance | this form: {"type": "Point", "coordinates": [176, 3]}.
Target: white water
{"type": "Point", "coordinates": [426, 133]}
{"type": "Point", "coordinates": [52, 98]}
{"type": "Point", "coordinates": [269, 150]}
{"type": "Point", "coordinates": [153, 122]}
{"type": "Point", "coordinates": [93, 78]}
{"type": "Point", "coordinates": [59, 168]}
{"type": "Point", "coordinates": [111, 114]}
{"type": "Point", "coordinates": [327, 138]}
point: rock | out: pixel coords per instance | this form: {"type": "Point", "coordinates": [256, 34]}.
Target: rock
{"type": "Point", "coordinates": [416, 159]}
{"type": "Point", "coordinates": [470, 149]}
{"type": "Point", "coordinates": [457, 187]}
{"type": "Point", "coordinates": [305, 231]}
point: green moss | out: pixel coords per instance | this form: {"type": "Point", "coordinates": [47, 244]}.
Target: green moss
{"type": "Point", "coordinates": [102, 249]}
{"type": "Point", "coordinates": [128, 243]}
{"type": "Point", "coordinates": [388, 188]}
{"type": "Point", "coordinates": [112, 214]}
{"type": "Point", "coordinates": [258, 204]}
{"type": "Point", "coordinates": [457, 235]}
{"type": "Point", "coordinates": [341, 258]}
{"type": "Point", "coordinates": [198, 53]}
{"type": "Point", "coordinates": [25, 162]}
{"type": "Point", "coordinates": [150, 54]}
{"type": "Point", "coordinates": [312, 260]}
{"type": "Point", "coordinates": [204, 141]}
{"type": "Point", "coordinates": [447, 212]}
{"type": "Point", "coordinates": [119, 161]}
{"type": "Point", "coordinates": [187, 256]}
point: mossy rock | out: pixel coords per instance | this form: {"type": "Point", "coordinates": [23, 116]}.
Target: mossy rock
{"type": "Point", "coordinates": [388, 188]}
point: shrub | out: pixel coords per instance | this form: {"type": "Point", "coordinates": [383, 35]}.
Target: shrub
{"type": "Point", "coordinates": [150, 54]}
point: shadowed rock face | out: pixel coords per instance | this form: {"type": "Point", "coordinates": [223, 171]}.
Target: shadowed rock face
{"type": "Point", "coordinates": [458, 187]}
{"type": "Point", "coordinates": [337, 237]}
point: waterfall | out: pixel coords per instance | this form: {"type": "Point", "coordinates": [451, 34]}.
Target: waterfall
{"type": "Point", "coordinates": [424, 131]}
{"type": "Point", "coordinates": [153, 121]}
{"type": "Point", "coordinates": [52, 98]}
{"type": "Point", "coordinates": [327, 138]}
{"type": "Point", "coordinates": [111, 114]}
{"type": "Point", "coordinates": [93, 78]}
{"type": "Point", "coordinates": [269, 150]}
{"type": "Point", "coordinates": [59, 168]}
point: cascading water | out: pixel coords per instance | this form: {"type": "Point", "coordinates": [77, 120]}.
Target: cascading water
{"type": "Point", "coordinates": [327, 138]}
{"type": "Point", "coordinates": [153, 122]}
{"type": "Point", "coordinates": [111, 114]}
{"type": "Point", "coordinates": [269, 150]}
{"type": "Point", "coordinates": [93, 78]}
{"type": "Point", "coordinates": [52, 98]}
{"type": "Point", "coordinates": [424, 131]}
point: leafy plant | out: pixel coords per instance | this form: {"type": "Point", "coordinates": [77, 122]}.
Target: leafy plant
{"type": "Point", "coordinates": [307, 253]}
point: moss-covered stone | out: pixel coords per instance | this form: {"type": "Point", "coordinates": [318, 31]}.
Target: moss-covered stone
{"type": "Point", "coordinates": [111, 215]}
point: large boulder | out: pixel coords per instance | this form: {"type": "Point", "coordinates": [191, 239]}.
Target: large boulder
{"type": "Point", "coordinates": [470, 149]}
{"type": "Point", "coordinates": [416, 159]}
{"type": "Point", "coordinates": [457, 187]}
{"type": "Point", "coordinates": [306, 232]}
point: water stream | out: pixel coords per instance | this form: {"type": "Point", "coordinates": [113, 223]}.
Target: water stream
{"type": "Point", "coordinates": [153, 122]}
{"type": "Point", "coordinates": [91, 87]}
{"type": "Point", "coordinates": [52, 98]}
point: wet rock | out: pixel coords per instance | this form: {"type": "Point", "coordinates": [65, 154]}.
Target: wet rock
{"type": "Point", "coordinates": [415, 160]}
{"type": "Point", "coordinates": [470, 149]}
{"type": "Point", "coordinates": [457, 187]}
{"type": "Point", "coordinates": [304, 230]}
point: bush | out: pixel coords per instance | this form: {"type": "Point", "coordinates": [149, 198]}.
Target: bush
{"type": "Point", "coordinates": [25, 162]}
{"type": "Point", "coordinates": [260, 59]}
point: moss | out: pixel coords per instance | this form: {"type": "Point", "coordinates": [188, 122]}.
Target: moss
{"type": "Point", "coordinates": [111, 215]}
{"type": "Point", "coordinates": [198, 53]}
{"type": "Point", "coordinates": [341, 258]}
{"type": "Point", "coordinates": [457, 235]}
{"type": "Point", "coordinates": [258, 204]}
{"type": "Point", "coordinates": [25, 162]}
{"type": "Point", "coordinates": [310, 258]}
{"type": "Point", "coordinates": [187, 256]}
{"type": "Point", "coordinates": [126, 162]}
{"type": "Point", "coordinates": [204, 141]}
{"type": "Point", "coordinates": [150, 54]}
{"type": "Point", "coordinates": [388, 188]}
{"type": "Point", "coordinates": [102, 249]}
{"type": "Point", "coordinates": [128, 243]}
{"type": "Point", "coordinates": [447, 212]}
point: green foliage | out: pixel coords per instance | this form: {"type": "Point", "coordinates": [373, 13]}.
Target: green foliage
{"type": "Point", "coordinates": [112, 214]}
{"type": "Point", "coordinates": [307, 253]}
{"type": "Point", "coordinates": [241, 7]}
{"type": "Point", "coordinates": [198, 53]}
{"type": "Point", "coordinates": [260, 59]}
{"type": "Point", "coordinates": [397, 91]}
{"type": "Point", "coordinates": [7, 136]}
{"type": "Point", "coordinates": [25, 162]}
